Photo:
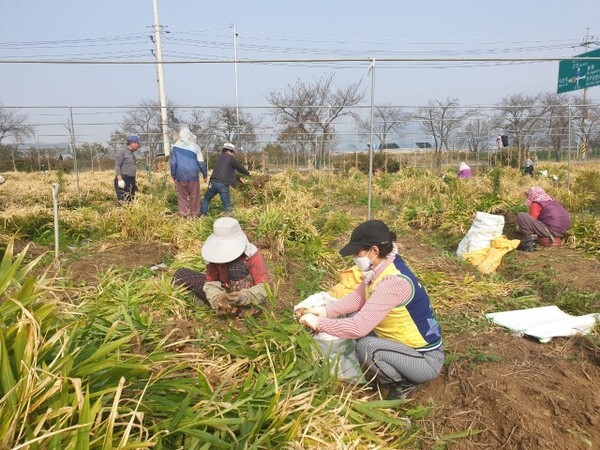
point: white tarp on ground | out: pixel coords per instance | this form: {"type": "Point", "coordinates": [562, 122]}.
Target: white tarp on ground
{"type": "Point", "coordinates": [545, 322]}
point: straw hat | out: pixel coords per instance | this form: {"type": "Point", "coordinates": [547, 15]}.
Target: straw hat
{"type": "Point", "coordinates": [226, 243]}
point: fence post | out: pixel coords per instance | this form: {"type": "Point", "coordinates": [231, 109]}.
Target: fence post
{"type": "Point", "coordinates": [56, 233]}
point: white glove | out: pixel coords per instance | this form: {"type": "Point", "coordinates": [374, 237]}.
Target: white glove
{"type": "Point", "coordinates": [214, 291]}
{"type": "Point", "coordinates": [318, 311]}
{"type": "Point", "coordinates": [312, 301]}
{"type": "Point", "coordinates": [121, 184]}
{"type": "Point", "coordinates": [310, 320]}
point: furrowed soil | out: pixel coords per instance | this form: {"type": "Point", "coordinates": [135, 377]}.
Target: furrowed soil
{"type": "Point", "coordinates": [497, 390]}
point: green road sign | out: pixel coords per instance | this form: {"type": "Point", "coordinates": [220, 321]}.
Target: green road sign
{"type": "Point", "coordinates": [574, 74]}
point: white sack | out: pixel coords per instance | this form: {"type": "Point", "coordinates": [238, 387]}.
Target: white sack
{"type": "Point", "coordinates": [336, 349]}
{"type": "Point", "coordinates": [484, 228]}
{"type": "Point", "coordinates": [342, 350]}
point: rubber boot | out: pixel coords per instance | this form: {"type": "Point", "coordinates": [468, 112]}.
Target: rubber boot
{"type": "Point", "coordinates": [528, 243]}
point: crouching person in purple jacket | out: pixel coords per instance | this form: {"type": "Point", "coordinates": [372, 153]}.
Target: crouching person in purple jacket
{"type": "Point", "coordinates": [547, 218]}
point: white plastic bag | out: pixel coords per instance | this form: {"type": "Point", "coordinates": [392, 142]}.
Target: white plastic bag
{"type": "Point", "coordinates": [342, 350]}
{"type": "Point", "coordinates": [335, 348]}
{"type": "Point", "coordinates": [484, 228]}
{"type": "Point", "coordinates": [315, 300]}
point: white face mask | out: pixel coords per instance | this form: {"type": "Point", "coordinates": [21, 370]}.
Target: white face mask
{"type": "Point", "coordinates": [363, 262]}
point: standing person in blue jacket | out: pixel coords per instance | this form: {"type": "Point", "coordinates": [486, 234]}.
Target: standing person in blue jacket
{"type": "Point", "coordinates": [187, 163]}
{"type": "Point", "coordinates": [223, 176]}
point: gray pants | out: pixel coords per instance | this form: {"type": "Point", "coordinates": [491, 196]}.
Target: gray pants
{"type": "Point", "coordinates": [392, 362]}
{"type": "Point", "coordinates": [528, 225]}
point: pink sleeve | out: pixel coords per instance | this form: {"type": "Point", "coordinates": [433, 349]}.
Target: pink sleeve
{"type": "Point", "coordinates": [392, 291]}
{"type": "Point", "coordinates": [347, 304]}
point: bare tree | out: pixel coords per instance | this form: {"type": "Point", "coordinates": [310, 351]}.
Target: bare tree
{"type": "Point", "coordinates": [520, 115]}
{"type": "Point", "coordinates": [311, 108]}
{"type": "Point", "coordinates": [386, 120]}
{"type": "Point", "coordinates": [441, 119]}
{"type": "Point", "coordinates": [201, 128]}
{"type": "Point", "coordinates": [14, 124]}
{"type": "Point", "coordinates": [146, 122]}
{"type": "Point", "coordinates": [586, 123]}
{"type": "Point", "coordinates": [223, 122]}
{"type": "Point", "coordinates": [92, 152]}
{"type": "Point", "coordinates": [476, 134]}
{"type": "Point", "coordinates": [556, 121]}
{"type": "Point", "coordinates": [116, 141]}
{"type": "Point", "coordinates": [297, 142]}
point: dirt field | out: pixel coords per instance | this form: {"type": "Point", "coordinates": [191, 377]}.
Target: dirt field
{"type": "Point", "coordinates": [498, 390]}
{"type": "Point", "coordinates": [513, 392]}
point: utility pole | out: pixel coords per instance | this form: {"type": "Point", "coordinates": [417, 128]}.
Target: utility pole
{"type": "Point", "coordinates": [162, 97]}
{"type": "Point", "coordinates": [587, 41]}
{"type": "Point", "coordinates": [237, 100]}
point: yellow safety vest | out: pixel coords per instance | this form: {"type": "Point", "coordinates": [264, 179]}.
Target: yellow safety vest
{"type": "Point", "coordinates": [398, 325]}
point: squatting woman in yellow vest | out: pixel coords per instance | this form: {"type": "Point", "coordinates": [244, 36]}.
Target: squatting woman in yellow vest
{"type": "Point", "coordinates": [398, 338]}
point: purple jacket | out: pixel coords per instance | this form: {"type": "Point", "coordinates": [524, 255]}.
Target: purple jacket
{"type": "Point", "coordinates": [555, 217]}
{"type": "Point", "coordinates": [465, 173]}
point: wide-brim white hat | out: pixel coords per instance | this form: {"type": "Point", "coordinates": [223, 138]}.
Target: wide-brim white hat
{"type": "Point", "coordinates": [226, 243]}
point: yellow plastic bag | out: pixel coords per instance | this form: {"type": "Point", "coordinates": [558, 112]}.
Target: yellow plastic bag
{"type": "Point", "coordinates": [349, 280]}
{"type": "Point", "coordinates": [488, 259]}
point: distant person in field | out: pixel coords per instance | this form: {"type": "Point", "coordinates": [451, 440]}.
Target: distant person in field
{"type": "Point", "coordinates": [125, 170]}
{"type": "Point", "coordinates": [547, 218]}
{"type": "Point", "coordinates": [223, 176]}
{"type": "Point", "coordinates": [234, 283]}
{"type": "Point", "coordinates": [499, 143]}
{"type": "Point", "coordinates": [464, 171]}
{"type": "Point", "coordinates": [187, 163]}
{"type": "Point", "coordinates": [398, 338]}
{"type": "Point", "coordinates": [528, 169]}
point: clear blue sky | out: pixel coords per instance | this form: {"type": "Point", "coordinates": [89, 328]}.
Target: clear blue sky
{"type": "Point", "coordinates": [121, 29]}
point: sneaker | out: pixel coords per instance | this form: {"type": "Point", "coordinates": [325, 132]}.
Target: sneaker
{"type": "Point", "coordinates": [401, 391]}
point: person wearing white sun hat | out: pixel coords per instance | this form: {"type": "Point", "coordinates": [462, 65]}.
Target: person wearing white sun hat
{"type": "Point", "coordinates": [235, 271]}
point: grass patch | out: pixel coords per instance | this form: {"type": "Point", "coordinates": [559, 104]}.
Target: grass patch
{"type": "Point", "coordinates": [474, 357]}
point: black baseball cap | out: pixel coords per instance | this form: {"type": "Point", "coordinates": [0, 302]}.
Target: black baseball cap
{"type": "Point", "coordinates": [371, 232]}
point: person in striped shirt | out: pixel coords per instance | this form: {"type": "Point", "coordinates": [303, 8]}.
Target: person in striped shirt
{"type": "Point", "coordinates": [398, 338]}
